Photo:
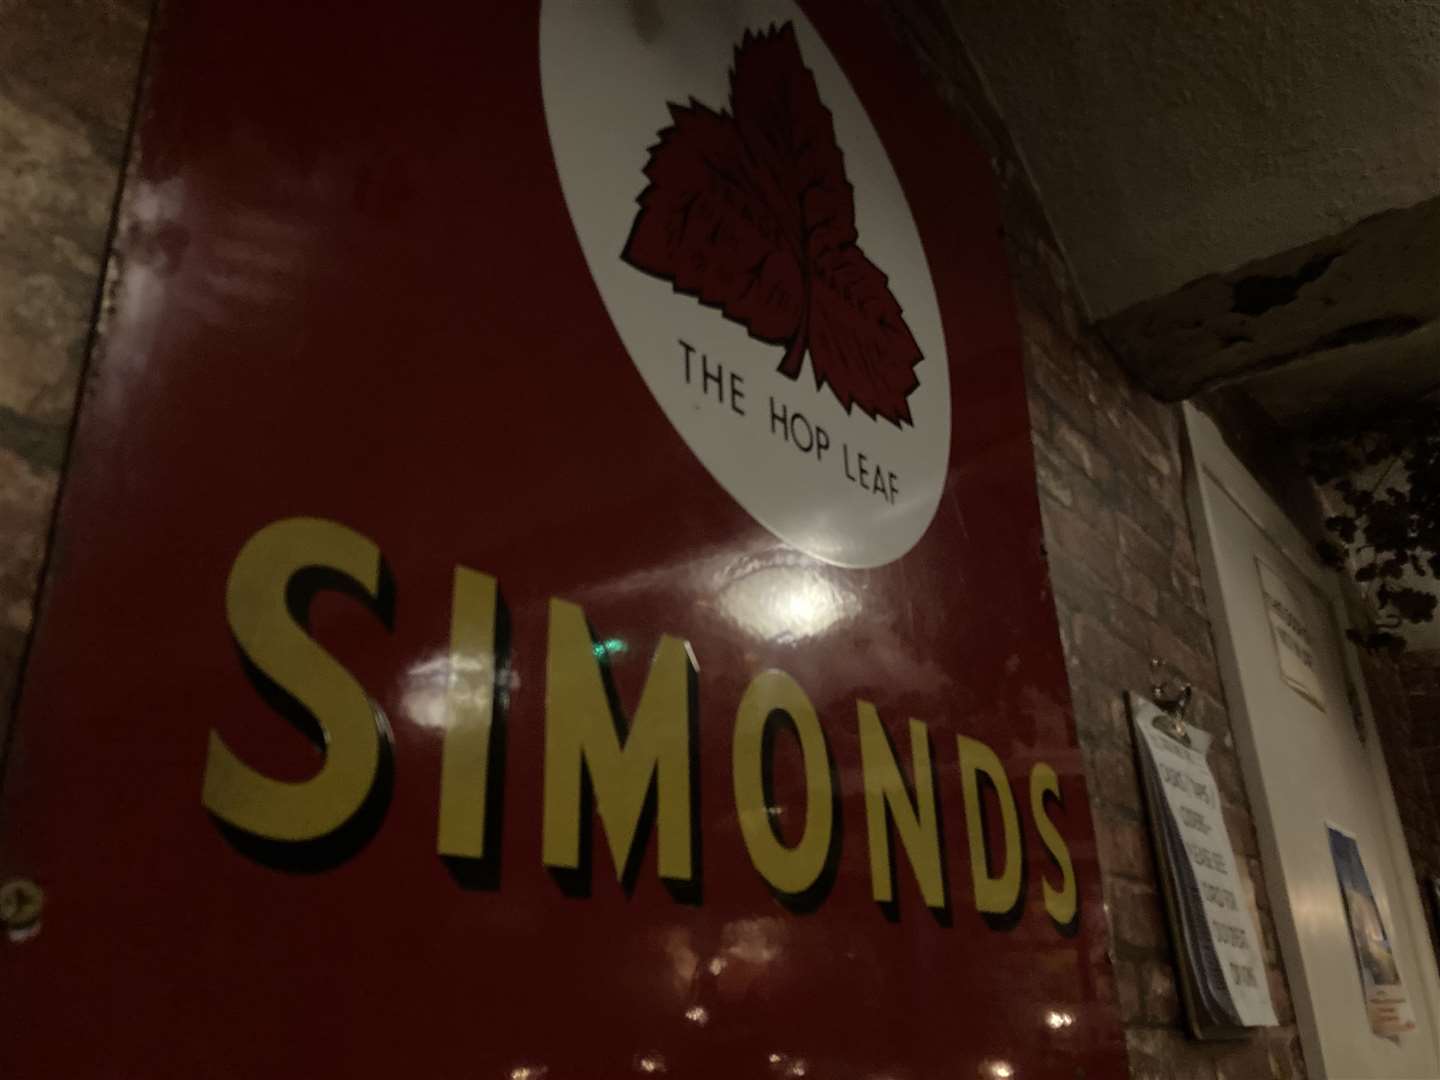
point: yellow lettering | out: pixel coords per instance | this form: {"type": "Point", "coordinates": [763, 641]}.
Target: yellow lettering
{"type": "Point", "coordinates": [770, 696]}
{"type": "Point", "coordinates": [353, 729]}
{"type": "Point", "coordinates": [993, 895]}
{"type": "Point", "coordinates": [470, 703]}
{"type": "Point", "coordinates": [886, 799]}
{"type": "Point", "coordinates": [581, 734]}
{"type": "Point", "coordinates": [1061, 903]}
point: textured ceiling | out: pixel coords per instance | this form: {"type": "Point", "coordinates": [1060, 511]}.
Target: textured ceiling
{"type": "Point", "coordinates": [1171, 139]}
{"type": "Point", "coordinates": [1341, 329]}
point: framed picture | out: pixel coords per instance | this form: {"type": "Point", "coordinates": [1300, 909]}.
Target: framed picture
{"type": "Point", "coordinates": [1386, 1001]}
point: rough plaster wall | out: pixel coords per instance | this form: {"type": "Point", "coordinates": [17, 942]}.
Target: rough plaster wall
{"type": "Point", "coordinates": [68, 70]}
{"type": "Point", "coordinates": [1170, 139]}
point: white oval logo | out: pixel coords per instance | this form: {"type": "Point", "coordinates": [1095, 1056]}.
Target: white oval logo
{"type": "Point", "coordinates": [755, 252]}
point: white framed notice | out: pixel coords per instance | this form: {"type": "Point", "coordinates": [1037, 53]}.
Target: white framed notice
{"type": "Point", "coordinates": [1291, 632]}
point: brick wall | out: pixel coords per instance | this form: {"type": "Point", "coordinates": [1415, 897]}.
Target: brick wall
{"type": "Point", "coordinates": [1411, 692]}
{"type": "Point", "coordinates": [1127, 587]}
{"type": "Point", "coordinates": [1420, 678]}
{"type": "Point", "coordinates": [68, 71]}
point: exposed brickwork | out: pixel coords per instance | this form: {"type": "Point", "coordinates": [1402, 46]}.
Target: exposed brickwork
{"type": "Point", "coordinates": [1127, 587]}
{"type": "Point", "coordinates": [1420, 679]}
{"type": "Point", "coordinates": [68, 71]}
{"type": "Point", "coordinates": [1406, 699]}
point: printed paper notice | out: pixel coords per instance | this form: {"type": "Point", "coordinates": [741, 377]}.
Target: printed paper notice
{"type": "Point", "coordinates": [1192, 802]}
{"type": "Point", "coordinates": [1294, 643]}
{"type": "Point", "coordinates": [1385, 997]}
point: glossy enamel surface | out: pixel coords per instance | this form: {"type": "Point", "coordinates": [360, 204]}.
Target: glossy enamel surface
{"type": "Point", "coordinates": [348, 288]}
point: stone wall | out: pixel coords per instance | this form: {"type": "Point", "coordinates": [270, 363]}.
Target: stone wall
{"type": "Point", "coordinates": [68, 73]}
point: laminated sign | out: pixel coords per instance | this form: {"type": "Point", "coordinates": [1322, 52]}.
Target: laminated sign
{"type": "Point", "coordinates": [1217, 937]}
{"type": "Point", "coordinates": [1387, 1004]}
{"type": "Point", "coordinates": [550, 582]}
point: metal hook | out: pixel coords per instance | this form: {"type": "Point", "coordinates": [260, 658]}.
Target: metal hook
{"type": "Point", "coordinates": [1171, 693]}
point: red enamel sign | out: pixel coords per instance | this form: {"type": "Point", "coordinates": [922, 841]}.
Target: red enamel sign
{"type": "Point", "coordinates": [550, 580]}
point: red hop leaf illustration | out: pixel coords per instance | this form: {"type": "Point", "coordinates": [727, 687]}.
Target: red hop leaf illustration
{"type": "Point", "coordinates": [749, 211]}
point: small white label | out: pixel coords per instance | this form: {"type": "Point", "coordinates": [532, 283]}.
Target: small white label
{"type": "Point", "coordinates": [1294, 642]}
